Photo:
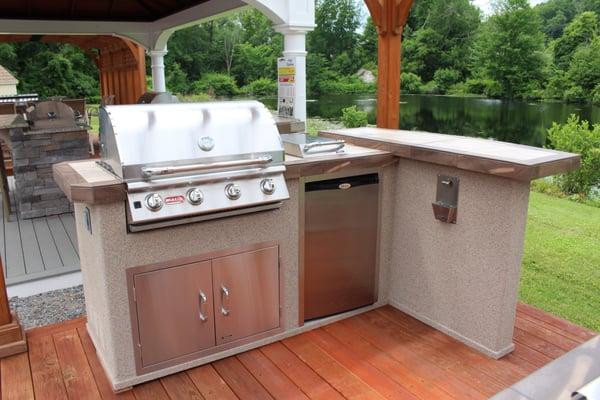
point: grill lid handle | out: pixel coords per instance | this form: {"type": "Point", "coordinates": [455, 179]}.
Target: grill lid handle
{"type": "Point", "coordinates": [339, 144]}
{"type": "Point", "coordinates": [149, 172]}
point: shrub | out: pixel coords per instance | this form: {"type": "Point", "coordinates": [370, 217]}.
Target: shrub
{"type": "Point", "coordinates": [430, 88]}
{"type": "Point", "coordinates": [195, 98]}
{"type": "Point", "coordinates": [261, 87]}
{"type": "Point", "coordinates": [444, 78]}
{"type": "Point", "coordinates": [493, 89]}
{"type": "Point", "coordinates": [345, 85]}
{"type": "Point", "coordinates": [177, 81]}
{"type": "Point", "coordinates": [478, 85]}
{"type": "Point", "coordinates": [578, 137]}
{"type": "Point", "coordinates": [575, 94]}
{"type": "Point", "coordinates": [459, 89]}
{"type": "Point", "coordinates": [352, 117]}
{"type": "Point", "coordinates": [557, 85]}
{"type": "Point", "coordinates": [219, 85]}
{"type": "Point", "coordinates": [410, 83]}
{"type": "Point", "coordinates": [596, 94]}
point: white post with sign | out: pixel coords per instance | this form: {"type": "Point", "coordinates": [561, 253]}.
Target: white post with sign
{"type": "Point", "coordinates": [286, 72]}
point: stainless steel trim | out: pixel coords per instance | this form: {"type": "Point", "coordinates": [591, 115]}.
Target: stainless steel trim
{"type": "Point", "coordinates": [339, 144]}
{"type": "Point", "coordinates": [205, 217]}
{"type": "Point", "coordinates": [203, 300]}
{"type": "Point", "coordinates": [149, 172]}
{"type": "Point", "coordinates": [224, 294]}
{"type": "Point", "coordinates": [184, 181]}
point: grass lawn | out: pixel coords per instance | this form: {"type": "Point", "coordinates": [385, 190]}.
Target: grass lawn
{"type": "Point", "coordinates": [561, 264]}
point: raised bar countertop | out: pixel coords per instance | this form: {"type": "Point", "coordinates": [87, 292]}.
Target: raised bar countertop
{"type": "Point", "coordinates": [367, 148]}
{"type": "Point", "coordinates": [85, 181]}
{"type": "Point", "coordinates": [514, 161]}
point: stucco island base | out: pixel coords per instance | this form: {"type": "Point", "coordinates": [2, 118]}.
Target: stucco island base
{"type": "Point", "coordinates": [462, 279]}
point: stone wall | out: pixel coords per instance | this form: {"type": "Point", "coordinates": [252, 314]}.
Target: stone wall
{"type": "Point", "coordinates": [33, 154]}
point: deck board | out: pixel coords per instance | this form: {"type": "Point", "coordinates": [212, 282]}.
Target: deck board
{"type": "Point", "coordinates": [31, 248]}
{"type": "Point", "coordinates": [379, 354]}
{"type": "Point", "coordinates": [37, 248]}
{"type": "Point", "coordinates": [67, 252]}
{"type": "Point", "coordinates": [68, 222]}
{"type": "Point", "coordinates": [15, 262]}
{"type": "Point", "coordinates": [47, 245]}
{"type": "Point", "coordinates": [210, 384]}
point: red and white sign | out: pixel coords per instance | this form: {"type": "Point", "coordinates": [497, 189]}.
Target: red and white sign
{"type": "Point", "coordinates": [174, 200]}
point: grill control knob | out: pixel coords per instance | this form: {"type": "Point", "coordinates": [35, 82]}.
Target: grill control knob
{"type": "Point", "coordinates": [154, 202]}
{"type": "Point", "coordinates": [195, 196]}
{"type": "Point", "coordinates": [267, 186]}
{"type": "Point", "coordinates": [233, 191]}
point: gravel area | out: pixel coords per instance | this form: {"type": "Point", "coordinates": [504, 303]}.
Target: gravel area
{"type": "Point", "coordinates": [49, 308]}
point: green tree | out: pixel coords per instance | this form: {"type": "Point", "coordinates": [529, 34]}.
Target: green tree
{"type": "Point", "coordinates": [336, 31]}
{"type": "Point", "coordinates": [556, 14]}
{"type": "Point", "coordinates": [55, 69]}
{"type": "Point", "coordinates": [510, 49]}
{"type": "Point", "coordinates": [8, 57]}
{"type": "Point", "coordinates": [177, 80]}
{"type": "Point", "coordinates": [369, 40]}
{"type": "Point", "coordinates": [584, 70]}
{"type": "Point", "coordinates": [440, 37]}
{"type": "Point", "coordinates": [254, 62]}
{"type": "Point", "coordinates": [580, 32]}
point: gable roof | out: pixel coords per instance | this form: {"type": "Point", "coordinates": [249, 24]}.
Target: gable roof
{"type": "Point", "coordinates": [6, 78]}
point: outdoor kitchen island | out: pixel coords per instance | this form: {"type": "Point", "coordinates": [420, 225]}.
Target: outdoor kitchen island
{"type": "Point", "coordinates": [461, 278]}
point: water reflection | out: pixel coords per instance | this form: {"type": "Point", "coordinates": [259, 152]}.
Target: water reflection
{"type": "Point", "coordinates": [513, 121]}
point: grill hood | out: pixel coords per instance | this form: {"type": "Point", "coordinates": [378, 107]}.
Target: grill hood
{"type": "Point", "coordinates": [172, 139]}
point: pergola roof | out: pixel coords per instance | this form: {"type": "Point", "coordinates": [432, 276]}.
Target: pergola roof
{"type": "Point", "coordinates": [149, 23]}
{"type": "Point", "coordinates": [85, 10]}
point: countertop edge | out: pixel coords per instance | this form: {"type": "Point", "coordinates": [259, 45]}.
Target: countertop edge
{"type": "Point", "coordinates": [511, 170]}
{"type": "Point", "coordinates": [77, 189]}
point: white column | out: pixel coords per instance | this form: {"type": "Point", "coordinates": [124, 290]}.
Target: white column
{"type": "Point", "coordinates": [294, 46]}
{"type": "Point", "coordinates": [158, 69]}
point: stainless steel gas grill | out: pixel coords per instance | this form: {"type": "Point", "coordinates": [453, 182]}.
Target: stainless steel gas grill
{"type": "Point", "coordinates": [191, 162]}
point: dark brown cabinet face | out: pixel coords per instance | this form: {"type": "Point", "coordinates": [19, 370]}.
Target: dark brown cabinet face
{"type": "Point", "coordinates": [246, 294]}
{"type": "Point", "coordinates": [174, 311]}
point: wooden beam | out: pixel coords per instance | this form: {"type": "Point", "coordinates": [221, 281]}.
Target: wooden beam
{"type": "Point", "coordinates": [12, 337]}
{"type": "Point", "coordinates": [389, 16]}
{"type": "Point", "coordinates": [376, 9]}
{"type": "Point", "coordinates": [5, 316]}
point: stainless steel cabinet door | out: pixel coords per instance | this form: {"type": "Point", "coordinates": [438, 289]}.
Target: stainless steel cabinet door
{"type": "Point", "coordinates": [246, 292]}
{"type": "Point", "coordinates": [175, 312]}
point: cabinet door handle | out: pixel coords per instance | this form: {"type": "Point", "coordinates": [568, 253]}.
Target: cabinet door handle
{"type": "Point", "coordinates": [202, 301]}
{"type": "Point", "coordinates": [224, 295]}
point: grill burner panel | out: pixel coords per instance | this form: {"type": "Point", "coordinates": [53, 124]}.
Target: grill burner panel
{"type": "Point", "coordinates": [175, 203]}
{"type": "Point", "coordinates": [190, 162]}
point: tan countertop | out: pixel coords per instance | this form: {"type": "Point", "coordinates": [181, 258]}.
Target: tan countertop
{"type": "Point", "coordinates": [85, 181]}
{"type": "Point", "coordinates": [523, 163]}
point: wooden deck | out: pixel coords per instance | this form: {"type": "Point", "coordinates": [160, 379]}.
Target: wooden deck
{"type": "Point", "coordinates": [377, 355]}
{"type": "Point", "coordinates": [37, 248]}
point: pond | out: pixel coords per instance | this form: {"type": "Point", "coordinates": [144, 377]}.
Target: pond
{"type": "Point", "coordinates": [512, 121]}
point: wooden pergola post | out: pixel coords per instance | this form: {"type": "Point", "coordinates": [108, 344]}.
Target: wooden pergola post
{"type": "Point", "coordinates": [389, 16]}
{"type": "Point", "coordinates": [12, 337]}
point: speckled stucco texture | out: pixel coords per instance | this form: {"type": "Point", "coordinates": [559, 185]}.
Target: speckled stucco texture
{"type": "Point", "coordinates": [463, 278]}
{"type": "Point", "coordinates": [109, 251]}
